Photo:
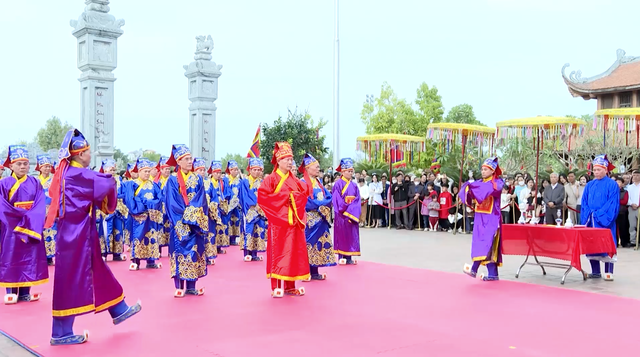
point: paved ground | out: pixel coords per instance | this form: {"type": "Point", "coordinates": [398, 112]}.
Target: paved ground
{"type": "Point", "coordinates": [447, 252]}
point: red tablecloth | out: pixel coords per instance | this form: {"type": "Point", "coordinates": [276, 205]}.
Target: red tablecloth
{"type": "Point", "coordinates": [554, 242]}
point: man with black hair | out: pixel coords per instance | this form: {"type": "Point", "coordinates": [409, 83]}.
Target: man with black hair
{"type": "Point", "coordinates": [400, 192]}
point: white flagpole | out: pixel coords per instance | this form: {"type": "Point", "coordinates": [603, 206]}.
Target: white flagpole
{"type": "Point", "coordinates": [336, 90]}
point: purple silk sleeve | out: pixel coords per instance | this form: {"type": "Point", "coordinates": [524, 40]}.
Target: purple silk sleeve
{"type": "Point", "coordinates": [105, 195]}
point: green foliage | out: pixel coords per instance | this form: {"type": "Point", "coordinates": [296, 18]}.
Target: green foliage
{"type": "Point", "coordinates": [121, 160]}
{"type": "Point", "coordinates": [301, 131]}
{"type": "Point", "coordinates": [240, 159]}
{"type": "Point", "coordinates": [151, 155]}
{"type": "Point", "coordinates": [51, 135]}
{"type": "Point", "coordinates": [462, 113]}
{"type": "Point", "coordinates": [390, 114]}
{"type": "Point", "coordinates": [377, 167]}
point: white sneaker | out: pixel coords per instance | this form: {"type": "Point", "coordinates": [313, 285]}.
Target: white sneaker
{"type": "Point", "coordinates": [426, 229]}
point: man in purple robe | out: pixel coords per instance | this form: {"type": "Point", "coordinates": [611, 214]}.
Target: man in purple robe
{"type": "Point", "coordinates": [23, 257]}
{"type": "Point", "coordinates": [486, 239]}
{"type": "Point", "coordinates": [346, 205]}
{"type": "Point", "coordinates": [82, 282]}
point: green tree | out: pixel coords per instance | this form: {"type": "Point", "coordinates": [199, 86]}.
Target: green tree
{"type": "Point", "coordinates": [51, 135]}
{"type": "Point", "coordinates": [151, 155]}
{"type": "Point", "coordinates": [241, 160]}
{"type": "Point", "coordinates": [121, 159]}
{"type": "Point", "coordinates": [389, 114]}
{"type": "Point", "coordinates": [462, 113]}
{"type": "Point", "coordinates": [300, 130]}
{"type": "Point", "coordinates": [430, 108]}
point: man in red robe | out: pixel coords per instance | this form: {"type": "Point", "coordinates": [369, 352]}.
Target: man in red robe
{"type": "Point", "coordinates": [283, 199]}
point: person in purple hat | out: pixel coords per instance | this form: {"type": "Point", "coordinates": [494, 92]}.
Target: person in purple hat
{"type": "Point", "coordinates": [599, 209]}
{"type": "Point", "coordinates": [23, 258]}
{"type": "Point", "coordinates": [210, 248]}
{"type": "Point", "coordinates": [318, 229]}
{"type": "Point", "coordinates": [219, 191]}
{"type": "Point", "coordinates": [83, 283]}
{"type": "Point", "coordinates": [484, 196]}
{"type": "Point", "coordinates": [185, 201]}
{"type": "Point", "coordinates": [255, 230]}
{"type": "Point", "coordinates": [346, 205]}
{"type": "Point", "coordinates": [235, 218]}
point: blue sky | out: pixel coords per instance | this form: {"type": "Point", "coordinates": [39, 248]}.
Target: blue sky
{"type": "Point", "coordinates": [502, 57]}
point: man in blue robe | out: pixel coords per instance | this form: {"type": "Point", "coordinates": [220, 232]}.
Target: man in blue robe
{"type": "Point", "coordinates": [187, 209]}
{"type": "Point", "coordinates": [255, 225]}
{"type": "Point", "coordinates": [600, 205]}
{"type": "Point", "coordinates": [235, 219]}
{"type": "Point", "coordinates": [45, 168]}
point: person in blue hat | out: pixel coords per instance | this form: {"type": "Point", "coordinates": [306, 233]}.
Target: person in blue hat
{"type": "Point", "coordinates": [164, 171]}
{"type": "Point", "coordinates": [23, 257]}
{"type": "Point", "coordinates": [599, 209]}
{"type": "Point", "coordinates": [210, 248]}
{"type": "Point", "coordinates": [347, 209]}
{"type": "Point", "coordinates": [110, 226]}
{"type": "Point", "coordinates": [220, 191]}
{"type": "Point", "coordinates": [45, 167]}
{"type": "Point", "coordinates": [143, 198]}
{"type": "Point", "coordinates": [185, 201]}
{"type": "Point", "coordinates": [318, 229]}
{"type": "Point", "coordinates": [83, 283]}
{"type": "Point", "coordinates": [484, 197]}
{"type": "Point", "coordinates": [255, 230]}
{"type": "Point", "coordinates": [236, 226]}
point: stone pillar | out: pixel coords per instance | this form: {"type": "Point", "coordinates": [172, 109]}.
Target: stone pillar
{"type": "Point", "coordinates": [202, 75]}
{"type": "Point", "coordinates": [97, 34]}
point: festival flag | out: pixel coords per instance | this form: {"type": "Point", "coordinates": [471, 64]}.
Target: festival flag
{"type": "Point", "coordinates": [255, 145]}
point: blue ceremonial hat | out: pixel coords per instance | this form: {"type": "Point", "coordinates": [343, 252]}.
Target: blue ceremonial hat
{"type": "Point", "coordinates": [130, 167]}
{"type": "Point", "coordinates": [199, 163]}
{"type": "Point", "coordinates": [178, 151]}
{"type": "Point", "coordinates": [231, 164]}
{"type": "Point", "coordinates": [73, 144]}
{"type": "Point", "coordinates": [16, 153]}
{"type": "Point", "coordinates": [107, 163]}
{"type": "Point", "coordinates": [345, 164]}
{"type": "Point", "coordinates": [142, 163]}
{"type": "Point", "coordinates": [307, 161]}
{"type": "Point", "coordinates": [43, 160]}
{"type": "Point", "coordinates": [603, 161]}
{"type": "Point", "coordinates": [492, 163]}
{"type": "Point", "coordinates": [162, 163]}
{"type": "Point", "coordinates": [216, 166]}
{"type": "Point", "coordinates": [255, 162]}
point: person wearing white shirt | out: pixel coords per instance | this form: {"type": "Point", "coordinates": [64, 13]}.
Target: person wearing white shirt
{"type": "Point", "coordinates": [634, 201]}
{"type": "Point", "coordinates": [375, 199]}
{"type": "Point", "coordinates": [364, 199]}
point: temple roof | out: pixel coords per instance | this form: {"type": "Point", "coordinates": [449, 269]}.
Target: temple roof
{"type": "Point", "coordinates": [624, 74]}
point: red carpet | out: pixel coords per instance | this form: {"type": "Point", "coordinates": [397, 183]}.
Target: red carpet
{"type": "Point", "coordinates": [365, 310]}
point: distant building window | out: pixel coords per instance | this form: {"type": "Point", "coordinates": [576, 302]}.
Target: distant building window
{"type": "Point", "coordinates": [625, 100]}
{"type": "Point", "coordinates": [607, 101]}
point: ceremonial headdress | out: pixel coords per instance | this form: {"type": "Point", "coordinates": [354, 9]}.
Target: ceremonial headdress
{"type": "Point", "coordinates": [162, 163]}
{"type": "Point", "coordinates": [216, 166]}
{"type": "Point", "coordinates": [199, 163]}
{"type": "Point", "coordinates": [106, 163]}
{"type": "Point", "coordinates": [142, 163]}
{"type": "Point", "coordinates": [492, 164]}
{"type": "Point", "coordinates": [255, 162]}
{"type": "Point", "coordinates": [307, 161]}
{"type": "Point", "coordinates": [603, 161]}
{"type": "Point", "coordinates": [178, 151]}
{"type": "Point", "coordinates": [435, 166]}
{"type": "Point", "coordinates": [231, 164]}
{"type": "Point", "coordinates": [345, 164]}
{"type": "Point", "coordinates": [16, 153]}
{"type": "Point", "coordinates": [127, 173]}
{"type": "Point", "coordinates": [43, 160]}
{"type": "Point", "coordinates": [73, 144]}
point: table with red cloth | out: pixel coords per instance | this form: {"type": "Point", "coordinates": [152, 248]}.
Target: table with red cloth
{"type": "Point", "coordinates": [554, 242]}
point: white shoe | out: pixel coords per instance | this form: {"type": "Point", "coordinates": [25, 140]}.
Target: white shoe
{"type": "Point", "coordinates": [426, 229]}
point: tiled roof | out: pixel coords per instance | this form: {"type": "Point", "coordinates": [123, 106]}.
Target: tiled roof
{"type": "Point", "coordinates": [623, 74]}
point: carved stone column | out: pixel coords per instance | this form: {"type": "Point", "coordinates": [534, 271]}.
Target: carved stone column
{"type": "Point", "coordinates": [202, 75]}
{"type": "Point", "coordinates": [97, 34]}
